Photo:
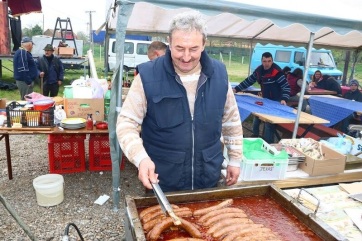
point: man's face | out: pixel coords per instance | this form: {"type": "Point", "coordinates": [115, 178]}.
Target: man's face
{"type": "Point", "coordinates": [48, 53]}
{"type": "Point", "coordinates": [353, 87]}
{"type": "Point", "coordinates": [186, 48]}
{"type": "Point", "coordinates": [267, 63]}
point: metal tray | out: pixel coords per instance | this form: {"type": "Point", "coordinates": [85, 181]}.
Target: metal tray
{"type": "Point", "coordinates": [134, 230]}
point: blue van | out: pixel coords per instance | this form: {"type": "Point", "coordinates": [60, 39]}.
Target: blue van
{"type": "Point", "coordinates": [293, 57]}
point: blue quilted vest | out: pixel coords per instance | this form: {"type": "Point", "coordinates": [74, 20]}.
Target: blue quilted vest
{"type": "Point", "coordinates": [185, 149]}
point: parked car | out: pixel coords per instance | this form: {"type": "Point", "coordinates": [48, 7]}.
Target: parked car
{"type": "Point", "coordinates": [295, 57]}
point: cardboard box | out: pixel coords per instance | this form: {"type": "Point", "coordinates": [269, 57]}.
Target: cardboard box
{"type": "Point", "coordinates": [2, 103]}
{"type": "Point", "coordinates": [333, 162]}
{"type": "Point", "coordinates": [64, 51]}
{"type": "Point", "coordinates": [82, 107]}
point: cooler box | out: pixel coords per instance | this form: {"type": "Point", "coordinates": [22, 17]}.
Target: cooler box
{"type": "Point", "coordinates": [262, 161]}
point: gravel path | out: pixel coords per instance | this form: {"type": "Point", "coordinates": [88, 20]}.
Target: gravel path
{"type": "Point", "coordinates": [95, 222]}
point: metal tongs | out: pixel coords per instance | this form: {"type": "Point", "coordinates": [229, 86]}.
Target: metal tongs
{"type": "Point", "coordinates": [165, 205]}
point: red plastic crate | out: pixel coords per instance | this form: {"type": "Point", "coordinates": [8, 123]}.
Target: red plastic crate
{"type": "Point", "coordinates": [66, 156]}
{"type": "Point", "coordinates": [99, 154]}
{"type": "Point", "coordinates": [66, 137]}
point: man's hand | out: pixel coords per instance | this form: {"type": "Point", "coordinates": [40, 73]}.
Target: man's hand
{"type": "Point", "coordinates": [283, 102]}
{"type": "Point", "coordinates": [59, 82]}
{"type": "Point", "coordinates": [146, 173]}
{"type": "Point", "coordinates": [41, 75]}
{"type": "Point", "coordinates": [232, 175]}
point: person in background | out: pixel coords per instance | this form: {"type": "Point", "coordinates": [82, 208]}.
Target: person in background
{"type": "Point", "coordinates": [52, 71]}
{"type": "Point", "coordinates": [325, 82]}
{"type": "Point", "coordinates": [286, 70]}
{"type": "Point", "coordinates": [156, 49]}
{"type": "Point", "coordinates": [25, 70]}
{"type": "Point", "coordinates": [273, 85]}
{"type": "Point", "coordinates": [295, 81]}
{"type": "Point", "coordinates": [184, 103]}
{"type": "Point", "coordinates": [353, 94]}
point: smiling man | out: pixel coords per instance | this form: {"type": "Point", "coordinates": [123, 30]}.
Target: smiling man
{"type": "Point", "coordinates": [184, 103]}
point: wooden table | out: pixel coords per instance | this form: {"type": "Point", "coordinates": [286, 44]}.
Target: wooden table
{"type": "Point", "coordinates": [305, 119]}
{"type": "Point", "coordinates": [317, 91]}
{"type": "Point", "coordinates": [6, 132]}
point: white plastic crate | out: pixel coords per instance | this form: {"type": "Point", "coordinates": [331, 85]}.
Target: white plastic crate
{"type": "Point", "coordinates": [252, 170]}
{"type": "Point", "coordinates": [262, 161]}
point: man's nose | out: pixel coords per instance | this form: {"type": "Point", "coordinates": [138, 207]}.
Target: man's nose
{"type": "Point", "coordinates": [186, 56]}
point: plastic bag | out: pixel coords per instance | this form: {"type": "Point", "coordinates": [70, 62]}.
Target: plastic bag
{"type": "Point", "coordinates": [32, 97]}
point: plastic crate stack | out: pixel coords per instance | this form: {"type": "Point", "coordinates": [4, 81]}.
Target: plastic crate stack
{"type": "Point", "coordinates": [66, 153]}
{"type": "Point", "coordinates": [99, 153]}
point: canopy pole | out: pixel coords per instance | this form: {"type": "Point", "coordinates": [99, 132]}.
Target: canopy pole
{"type": "Point", "coordinates": [124, 12]}
{"type": "Point", "coordinates": [301, 97]}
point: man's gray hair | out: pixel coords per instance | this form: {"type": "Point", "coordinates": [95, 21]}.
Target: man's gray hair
{"type": "Point", "coordinates": [189, 21]}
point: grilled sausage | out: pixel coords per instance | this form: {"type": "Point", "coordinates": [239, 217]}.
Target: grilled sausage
{"type": "Point", "coordinates": [154, 234]}
{"type": "Point", "coordinates": [190, 228]}
{"type": "Point", "coordinates": [147, 226]}
{"type": "Point", "coordinates": [152, 209]}
{"type": "Point", "coordinates": [245, 232]}
{"type": "Point", "coordinates": [223, 204]}
{"type": "Point", "coordinates": [227, 222]}
{"type": "Point", "coordinates": [224, 216]}
{"type": "Point", "coordinates": [182, 212]}
{"type": "Point", "coordinates": [219, 211]}
{"type": "Point", "coordinates": [232, 228]}
{"type": "Point", "coordinates": [186, 239]}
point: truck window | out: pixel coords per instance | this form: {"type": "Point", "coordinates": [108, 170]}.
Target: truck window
{"type": "Point", "coordinates": [142, 48]}
{"type": "Point", "coordinates": [321, 58]}
{"type": "Point", "coordinates": [128, 47]}
{"type": "Point", "coordinates": [282, 56]}
{"type": "Point", "coordinates": [299, 58]}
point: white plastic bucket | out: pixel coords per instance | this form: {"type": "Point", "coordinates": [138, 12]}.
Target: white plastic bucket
{"type": "Point", "coordinates": [49, 189]}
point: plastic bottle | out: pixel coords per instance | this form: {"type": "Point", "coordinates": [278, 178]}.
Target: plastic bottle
{"type": "Point", "coordinates": [107, 103]}
{"type": "Point", "coordinates": [89, 123]}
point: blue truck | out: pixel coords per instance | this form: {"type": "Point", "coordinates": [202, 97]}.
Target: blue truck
{"type": "Point", "coordinates": [295, 57]}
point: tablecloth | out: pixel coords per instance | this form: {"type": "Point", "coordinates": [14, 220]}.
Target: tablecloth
{"type": "Point", "coordinates": [333, 109]}
{"type": "Point", "coordinates": [247, 105]}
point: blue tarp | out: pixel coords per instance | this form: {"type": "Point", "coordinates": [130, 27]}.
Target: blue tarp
{"type": "Point", "coordinates": [100, 37]}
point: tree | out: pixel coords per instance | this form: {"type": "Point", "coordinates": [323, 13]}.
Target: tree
{"type": "Point", "coordinates": [32, 31]}
{"type": "Point", "coordinates": [82, 36]}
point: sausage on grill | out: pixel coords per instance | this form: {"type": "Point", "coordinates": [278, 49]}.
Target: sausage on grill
{"type": "Point", "coordinates": [223, 204]}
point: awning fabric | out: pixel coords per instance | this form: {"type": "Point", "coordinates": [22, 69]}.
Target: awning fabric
{"type": "Point", "coordinates": [19, 7]}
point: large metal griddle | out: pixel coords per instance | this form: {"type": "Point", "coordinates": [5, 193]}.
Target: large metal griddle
{"type": "Point", "coordinates": [134, 230]}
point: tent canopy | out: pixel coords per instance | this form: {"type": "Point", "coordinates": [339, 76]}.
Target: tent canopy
{"type": "Point", "coordinates": [225, 19]}
{"type": "Point", "coordinates": [240, 21]}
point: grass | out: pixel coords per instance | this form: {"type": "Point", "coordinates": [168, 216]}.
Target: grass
{"type": "Point", "coordinates": [237, 67]}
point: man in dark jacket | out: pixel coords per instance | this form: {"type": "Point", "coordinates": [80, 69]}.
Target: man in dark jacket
{"type": "Point", "coordinates": [273, 85]}
{"type": "Point", "coordinates": [52, 71]}
{"type": "Point", "coordinates": [353, 94]}
{"type": "Point", "coordinates": [25, 70]}
{"type": "Point", "coordinates": [184, 103]}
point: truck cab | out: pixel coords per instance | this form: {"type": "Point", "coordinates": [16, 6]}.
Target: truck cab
{"type": "Point", "coordinates": [135, 53]}
{"type": "Point", "coordinates": [295, 57]}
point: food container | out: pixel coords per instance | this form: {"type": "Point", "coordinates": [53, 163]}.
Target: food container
{"type": "Point", "coordinates": [280, 209]}
{"type": "Point", "coordinates": [43, 104]}
{"type": "Point", "coordinates": [294, 156]}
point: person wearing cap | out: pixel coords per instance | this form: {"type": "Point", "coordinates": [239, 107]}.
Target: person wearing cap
{"type": "Point", "coordinates": [52, 71]}
{"type": "Point", "coordinates": [25, 70]}
{"type": "Point", "coordinates": [353, 94]}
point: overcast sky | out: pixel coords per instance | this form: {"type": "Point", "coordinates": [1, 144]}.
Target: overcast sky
{"type": "Point", "coordinates": [76, 11]}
